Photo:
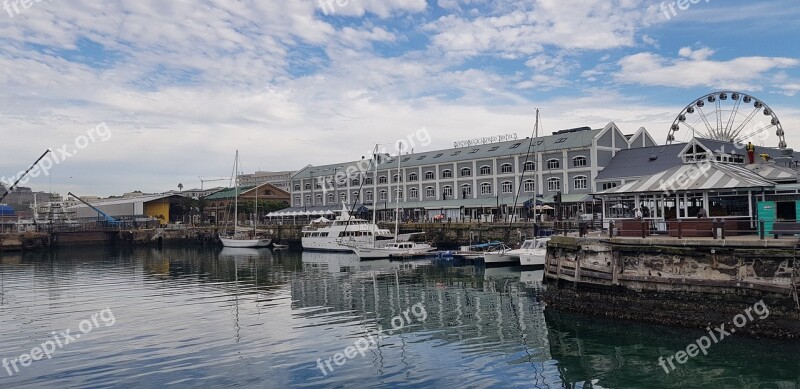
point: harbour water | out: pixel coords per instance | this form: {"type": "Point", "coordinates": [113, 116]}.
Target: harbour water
{"type": "Point", "coordinates": [187, 317]}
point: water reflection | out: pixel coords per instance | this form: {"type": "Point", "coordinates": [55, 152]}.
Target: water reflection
{"type": "Point", "coordinates": [253, 317]}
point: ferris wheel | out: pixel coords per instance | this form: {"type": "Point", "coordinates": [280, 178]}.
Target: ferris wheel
{"type": "Point", "coordinates": [724, 116]}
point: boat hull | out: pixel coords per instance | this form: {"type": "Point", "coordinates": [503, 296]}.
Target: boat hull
{"type": "Point", "coordinates": [499, 259]}
{"type": "Point", "coordinates": [228, 242]}
{"type": "Point", "coordinates": [533, 257]}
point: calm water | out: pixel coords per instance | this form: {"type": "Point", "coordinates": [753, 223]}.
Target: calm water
{"type": "Point", "coordinates": [247, 318]}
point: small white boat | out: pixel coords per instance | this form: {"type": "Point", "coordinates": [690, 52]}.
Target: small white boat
{"type": "Point", "coordinates": [500, 255]}
{"type": "Point", "coordinates": [280, 246]}
{"type": "Point", "coordinates": [393, 250]}
{"type": "Point", "coordinates": [533, 252]}
{"type": "Point", "coordinates": [244, 242]}
{"type": "Point", "coordinates": [475, 251]}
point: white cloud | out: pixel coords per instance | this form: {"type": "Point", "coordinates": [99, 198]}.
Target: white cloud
{"type": "Point", "coordinates": [696, 70]}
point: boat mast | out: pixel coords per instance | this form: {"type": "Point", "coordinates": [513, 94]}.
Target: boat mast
{"type": "Point", "coordinates": [396, 193]}
{"type": "Point", "coordinates": [374, 193]}
{"type": "Point", "coordinates": [235, 191]}
{"type": "Point", "coordinates": [535, 175]}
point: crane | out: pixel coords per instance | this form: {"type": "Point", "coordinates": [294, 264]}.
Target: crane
{"type": "Point", "coordinates": [21, 176]}
{"type": "Point", "coordinates": [109, 219]}
{"type": "Point", "coordinates": [204, 180]}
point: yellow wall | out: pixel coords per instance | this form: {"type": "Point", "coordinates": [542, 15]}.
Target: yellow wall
{"type": "Point", "coordinates": [156, 208]}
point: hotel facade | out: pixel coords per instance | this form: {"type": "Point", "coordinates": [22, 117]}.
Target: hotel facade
{"type": "Point", "coordinates": [473, 182]}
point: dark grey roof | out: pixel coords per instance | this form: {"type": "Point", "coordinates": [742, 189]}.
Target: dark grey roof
{"type": "Point", "coordinates": [642, 161]}
{"type": "Point", "coordinates": [562, 141]}
{"type": "Point", "coordinates": [730, 148]}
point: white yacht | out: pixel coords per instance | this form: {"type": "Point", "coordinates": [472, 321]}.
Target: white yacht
{"type": "Point", "coordinates": [501, 255]}
{"type": "Point", "coordinates": [332, 235]}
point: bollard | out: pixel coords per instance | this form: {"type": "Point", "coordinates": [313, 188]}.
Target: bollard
{"type": "Point", "coordinates": [761, 229]}
{"type": "Point", "coordinates": [611, 229]}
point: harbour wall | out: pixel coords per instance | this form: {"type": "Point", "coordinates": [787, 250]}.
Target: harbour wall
{"type": "Point", "coordinates": [686, 283]}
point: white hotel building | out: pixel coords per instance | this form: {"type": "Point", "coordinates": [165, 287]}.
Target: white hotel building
{"type": "Point", "coordinates": [468, 182]}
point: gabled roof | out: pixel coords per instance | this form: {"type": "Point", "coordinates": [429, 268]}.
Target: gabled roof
{"type": "Point", "coordinates": [641, 161]}
{"type": "Point", "coordinates": [695, 176]}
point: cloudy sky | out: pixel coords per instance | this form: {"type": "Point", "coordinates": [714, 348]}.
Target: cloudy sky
{"type": "Point", "coordinates": [181, 84]}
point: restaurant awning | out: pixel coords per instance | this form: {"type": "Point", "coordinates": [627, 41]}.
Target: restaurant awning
{"type": "Point", "coordinates": [696, 176]}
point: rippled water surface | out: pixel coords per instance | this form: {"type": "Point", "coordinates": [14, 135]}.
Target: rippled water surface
{"type": "Point", "coordinates": [255, 318]}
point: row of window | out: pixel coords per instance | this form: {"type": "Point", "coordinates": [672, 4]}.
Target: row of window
{"type": "Point", "coordinates": [465, 172]}
{"type": "Point", "coordinates": [553, 185]}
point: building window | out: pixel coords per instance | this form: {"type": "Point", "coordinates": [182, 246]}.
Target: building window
{"type": "Point", "coordinates": [486, 170]}
{"type": "Point", "coordinates": [447, 173]}
{"type": "Point", "coordinates": [560, 140]}
{"type": "Point", "coordinates": [368, 196]}
{"type": "Point", "coordinates": [382, 195]}
{"type": "Point", "coordinates": [318, 185]}
{"type": "Point", "coordinates": [507, 187]}
{"type": "Point", "coordinates": [368, 181]}
{"type": "Point", "coordinates": [553, 163]}
{"type": "Point", "coordinates": [297, 187]}
{"type": "Point", "coordinates": [506, 168]}
{"type": "Point", "coordinates": [553, 184]}
{"type": "Point", "coordinates": [529, 186]}
{"type": "Point", "coordinates": [438, 155]}
{"type": "Point", "coordinates": [430, 192]}
{"type": "Point", "coordinates": [579, 161]}
{"type": "Point", "coordinates": [308, 199]}
{"type": "Point", "coordinates": [396, 178]}
{"type": "Point", "coordinates": [515, 145]}
{"type": "Point", "coordinates": [494, 148]}
{"type": "Point", "coordinates": [466, 172]}
{"type": "Point", "coordinates": [354, 182]}
{"type": "Point", "coordinates": [413, 177]}
{"type": "Point", "coordinates": [609, 185]}
{"type": "Point", "coordinates": [486, 188]}
{"type": "Point", "coordinates": [429, 175]}
{"type": "Point", "coordinates": [399, 193]}
{"type": "Point", "coordinates": [466, 190]}
{"type": "Point", "coordinates": [356, 197]}
{"type": "Point", "coordinates": [447, 191]}
{"type": "Point", "coordinates": [474, 151]}
{"type": "Point", "coordinates": [330, 197]}
{"type": "Point", "coordinates": [297, 200]}
{"type": "Point", "coordinates": [308, 186]}
{"type": "Point", "coordinates": [456, 153]}
{"type": "Point", "coordinates": [318, 199]}
{"type": "Point", "coordinates": [413, 193]}
{"type": "Point", "coordinates": [579, 182]}
{"type": "Point", "coordinates": [529, 166]}
{"type": "Point", "coordinates": [343, 197]}
{"type": "Point", "coordinates": [421, 157]}
{"type": "Point", "coordinates": [382, 179]}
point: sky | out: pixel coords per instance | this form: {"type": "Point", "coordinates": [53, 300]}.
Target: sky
{"type": "Point", "coordinates": [147, 94]}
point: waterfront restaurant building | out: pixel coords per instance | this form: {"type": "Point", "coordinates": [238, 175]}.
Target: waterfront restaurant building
{"type": "Point", "coordinates": [470, 183]}
{"type": "Point", "coordinates": [676, 181]}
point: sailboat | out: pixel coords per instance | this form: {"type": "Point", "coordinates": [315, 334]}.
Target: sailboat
{"type": "Point", "coordinates": [241, 237]}
{"type": "Point", "coordinates": [532, 252]}
{"type": "Point", "coordinates": [396, 248]}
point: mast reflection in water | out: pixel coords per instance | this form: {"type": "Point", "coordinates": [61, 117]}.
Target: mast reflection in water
{"type": "Point", "coordinates": [253, 318]}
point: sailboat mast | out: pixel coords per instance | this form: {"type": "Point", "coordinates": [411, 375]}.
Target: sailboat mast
{"type": "Point", "coordinates": [374, 192]}
{"type": "Point", "coordinates": [397, 194]}
{"type": "Point", "coordinates": [235, 191]}
{"type": "Point", "coordinates": [535, 175]}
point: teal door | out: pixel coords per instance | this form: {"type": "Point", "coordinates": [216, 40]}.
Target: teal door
{"type": "Point", "coordinates": [766, 212]}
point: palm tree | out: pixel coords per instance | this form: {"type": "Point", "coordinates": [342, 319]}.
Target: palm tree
{"type": "Point", "coordinates": [180, 187]}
